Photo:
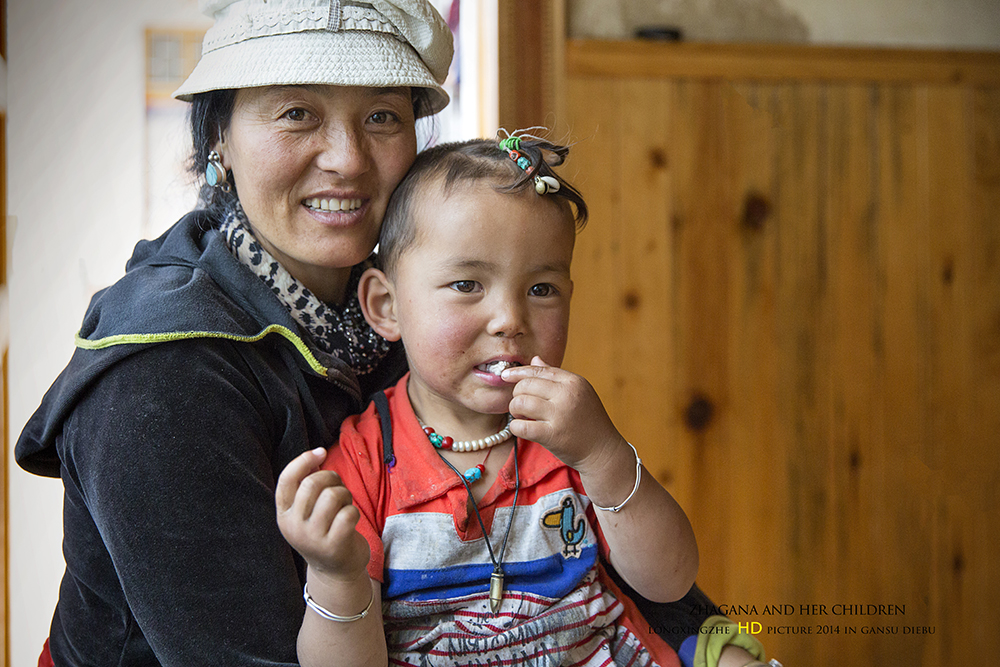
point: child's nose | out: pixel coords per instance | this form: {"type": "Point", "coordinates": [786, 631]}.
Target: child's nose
{"type": "Point", "coordinates": [508, 319]}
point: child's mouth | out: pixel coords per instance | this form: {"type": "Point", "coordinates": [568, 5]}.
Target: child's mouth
{"type": "Point", "coordinates": [497, 367]}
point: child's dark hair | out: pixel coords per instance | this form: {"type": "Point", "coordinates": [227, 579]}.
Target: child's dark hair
{"type": "Point", "coordinates": [473, 160]}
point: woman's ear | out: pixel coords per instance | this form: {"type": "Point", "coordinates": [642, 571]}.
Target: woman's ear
{"type": "Point", "coordinates": [222, 148]}
{"type": "Point", "coordinates": [375, 292]}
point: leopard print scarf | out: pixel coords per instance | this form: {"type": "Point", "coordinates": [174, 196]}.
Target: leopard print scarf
{"type": "Point", "coordinates": [338, 330]}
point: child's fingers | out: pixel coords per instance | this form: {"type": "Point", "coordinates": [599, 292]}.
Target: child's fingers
{"type": "Point", "coordinates": [321, 516]}
{"type": "Point", "coordinates": [538, 368]}
{"type": "Point", "coordinates": [538, 388]}
{"type": "Point", "coordinates": [291, 477]}
{"type": "Point", "coordinates": [527, 404]}
{"type": "Point", "coordinates": [546, 382]}
{"type": "Point", "coordinates": [320, 484]}
{"type": "Point", "coordinates": [344, 524]}
{"type": "Point", "coordinates": [344, 540]}
{"type": "Point", "coordinates": [538, 362]}
{"type": "Point", "coordinates": [531, 429]}
{"type": "Point", "coordinates": [543, 382]}
{"type": "Point", "coordinates": [333, 529]}
{"type": "Point", "coordinates": [330, 502]}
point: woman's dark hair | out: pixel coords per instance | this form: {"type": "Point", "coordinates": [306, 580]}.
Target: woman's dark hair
{"type": "Point", "coordinates": [473, 160]}
{"type": "Point", "coordinates": [209, 115]}
{"type": "Point", "coordinates": [209, 118]}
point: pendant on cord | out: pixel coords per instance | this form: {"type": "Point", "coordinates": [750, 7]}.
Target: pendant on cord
{"type": "Point", "coordinates": [496, 590]}
{"type": "Point", "coordinates": [496, 579]}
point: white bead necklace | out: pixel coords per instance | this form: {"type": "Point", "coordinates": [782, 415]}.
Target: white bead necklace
{"type": "Point", "coordinates": [446, 442]}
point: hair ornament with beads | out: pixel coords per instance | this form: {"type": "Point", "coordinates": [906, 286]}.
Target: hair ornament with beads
{"type": "Point", "coordinates": [519, 146]}
{"type": "Point", "coordinates": [512, 145]}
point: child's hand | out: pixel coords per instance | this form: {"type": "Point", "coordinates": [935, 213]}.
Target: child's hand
{"type": "Point", "coordinates": [561, 411]}
{"type": "Point", "coordinates": [317, 518]}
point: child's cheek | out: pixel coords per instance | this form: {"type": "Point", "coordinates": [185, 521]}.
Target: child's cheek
{"type": "Point", "coordinates": [448, 334]}
{"type": "Point", "coordinates": [556, 336]}
{"type": "Point", "coordinates": [557, 352]}
{"type": "Point", "coordinates": [454, 332]}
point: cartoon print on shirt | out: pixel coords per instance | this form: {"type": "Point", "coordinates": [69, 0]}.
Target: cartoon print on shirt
{"type": "Point", "coordinates": [572, 529]}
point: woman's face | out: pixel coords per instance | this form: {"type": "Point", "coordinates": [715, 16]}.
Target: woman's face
{"type": "Point", "coordinates": [314, 167]}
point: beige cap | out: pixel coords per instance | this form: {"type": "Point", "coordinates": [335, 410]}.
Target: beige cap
{"type": "Point", "coordinates": [377, 43]}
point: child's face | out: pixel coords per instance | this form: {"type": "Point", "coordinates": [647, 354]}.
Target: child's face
{"type": "Point", "coordinates": [487, 279]}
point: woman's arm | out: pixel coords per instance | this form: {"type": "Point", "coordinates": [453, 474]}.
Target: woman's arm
{"type": "Point", "coordinates": [650, 539]}
{"type": "Point", "coordinates": [174, 454]}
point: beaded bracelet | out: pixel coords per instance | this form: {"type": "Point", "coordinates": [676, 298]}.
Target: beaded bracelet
{"type": "Point", "coordinates": [329, 615]}
{"type": "Point", "coordinates": [638, 476]}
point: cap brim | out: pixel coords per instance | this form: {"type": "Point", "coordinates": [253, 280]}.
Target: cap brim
{"type": "Point", "coordinates": [345, 58]}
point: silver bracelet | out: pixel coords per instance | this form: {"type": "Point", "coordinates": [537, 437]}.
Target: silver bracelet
{"type": "Point", "coordinates": [638, 476]}
{"type": "Point", "coordinates": [329, 615]}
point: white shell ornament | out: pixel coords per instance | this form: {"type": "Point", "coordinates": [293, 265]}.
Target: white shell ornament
{"type": "Point", "coordinates": [546, 184]}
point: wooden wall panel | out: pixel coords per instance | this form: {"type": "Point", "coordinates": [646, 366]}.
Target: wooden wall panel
{"type": "Point", "coordinates": [531, 48]}
{"type": "Point", "coordinates": [789, 297]}
{"type": "Point", "coordinates": [643, 267]}
{"type": "Point", "coordinates": [595, 305]}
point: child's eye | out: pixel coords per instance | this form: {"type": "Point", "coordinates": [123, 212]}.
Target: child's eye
{"type": "Point", "coordinates": [465, 286]}
{"type": "Point", "coordinates": [542, 289]}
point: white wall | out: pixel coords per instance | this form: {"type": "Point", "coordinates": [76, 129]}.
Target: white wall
{"type": "Point", "coordinates": [76, 112]}
{"type": "Point", "coordinates": [964, 24]}
{"type": "Point", "coordinates": [973, 24]}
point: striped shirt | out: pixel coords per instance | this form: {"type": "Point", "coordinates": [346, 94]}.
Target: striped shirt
{"type": "Point", "coordinates": [559, 606]}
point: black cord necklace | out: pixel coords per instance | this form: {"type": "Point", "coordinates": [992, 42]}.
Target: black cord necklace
{"type": "Point", "coordinates": [496, 579]}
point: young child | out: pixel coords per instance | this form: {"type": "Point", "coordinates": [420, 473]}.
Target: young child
{"type": "Point", "coordinates": [482, 521]}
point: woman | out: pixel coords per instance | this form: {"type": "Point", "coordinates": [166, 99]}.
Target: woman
{"type": "Point", "coordinates": [233, 343]}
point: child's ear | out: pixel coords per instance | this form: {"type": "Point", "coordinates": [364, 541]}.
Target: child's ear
{"type": "Point", "coordinates": [375, 292]}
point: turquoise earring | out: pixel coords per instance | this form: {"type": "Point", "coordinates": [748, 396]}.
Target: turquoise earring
{"type": "Point", "coordinates": [215, 173]}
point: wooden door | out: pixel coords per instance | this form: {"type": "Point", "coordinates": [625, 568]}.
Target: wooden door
{"type": "Point", "coordinates": [789, 297]}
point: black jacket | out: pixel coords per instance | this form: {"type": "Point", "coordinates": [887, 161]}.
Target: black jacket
{"type": "Point", "coordinates": [190, 389]}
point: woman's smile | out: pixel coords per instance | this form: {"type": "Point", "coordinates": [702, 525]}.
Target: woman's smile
{"type": "Point", "coordinates": [332, 204]}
